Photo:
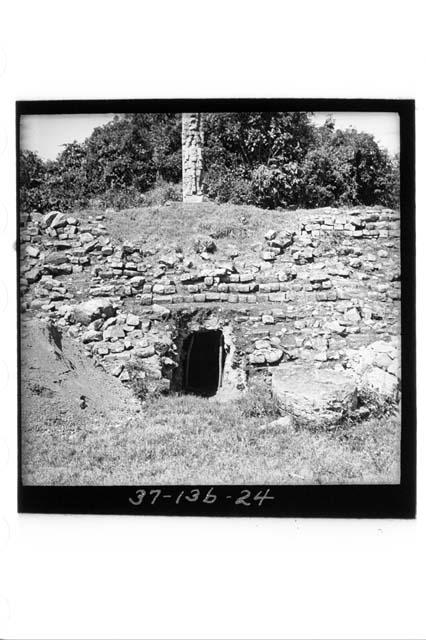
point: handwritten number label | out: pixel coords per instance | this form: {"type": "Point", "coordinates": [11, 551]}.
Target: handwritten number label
{"type": "Point", "coordinates": [259, 497]}
{"type": "Point", "coordinates": [140, 493]}
{"type": "Point", "coordinates": [210, 497]}
{"type": "Point", "coordinates": [243, 499]}
{"type": "Point", "coordinates": [157, 494]}
{"type": "Point", "coordinates": [195, 494]}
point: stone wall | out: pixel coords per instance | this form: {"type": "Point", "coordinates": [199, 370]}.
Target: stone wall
{"type": "Point", "coordinates": [357, 223]}
{"type": "Point", "coordinates": [321, 295]}
{"type": "Point", "coordinates": [192, 157]}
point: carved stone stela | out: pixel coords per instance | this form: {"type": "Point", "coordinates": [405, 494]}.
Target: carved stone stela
{"type": "Point", "coordinates": [192, 157]}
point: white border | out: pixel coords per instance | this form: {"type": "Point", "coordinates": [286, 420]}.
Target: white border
{"type": "Point", "coordinates": [111, 577]}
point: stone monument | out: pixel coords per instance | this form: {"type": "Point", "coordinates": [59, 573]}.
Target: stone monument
{"type": "Point", "coordinates": [192, 157]}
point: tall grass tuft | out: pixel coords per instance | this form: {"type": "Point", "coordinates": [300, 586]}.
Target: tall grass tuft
{"type": "Point", "coordinates": [259, 401]}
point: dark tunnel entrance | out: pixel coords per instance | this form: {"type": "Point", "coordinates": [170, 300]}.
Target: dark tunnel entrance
{"type": "Point", "coordinates": [204, 362]}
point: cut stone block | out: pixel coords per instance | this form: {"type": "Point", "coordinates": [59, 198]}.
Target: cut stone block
{"type": "Point", "coordinates": [316, 397]}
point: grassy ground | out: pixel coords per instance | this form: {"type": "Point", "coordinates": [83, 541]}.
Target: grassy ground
{"type": "Point", "coordinates": [177, 439]}
{"type": "Point", "coordinates": [189, 440]}
{"type": "Point", "coordinates": [173, 226]}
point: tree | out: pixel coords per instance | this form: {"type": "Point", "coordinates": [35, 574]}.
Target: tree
{"type": "Point", "coordinates": [348, 167]}
{"type": "Point", "coordinates": [251, 139]}
{"type": "Point", "coordinates": [253, 157]}
{"type": "Point", "coordinates": [66, 178]}
{"type": "Point", "coordinates": [269, 159]}
{"type": "Point", "coordinates": [32, 172]}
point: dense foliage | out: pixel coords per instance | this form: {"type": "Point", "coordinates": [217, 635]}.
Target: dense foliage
{"type": "Point", "coordinates": [268, 159]}
{"type": "Point", "coordinates": [281, 159]}
{"type": "Point", "coordinates": [347, 167]}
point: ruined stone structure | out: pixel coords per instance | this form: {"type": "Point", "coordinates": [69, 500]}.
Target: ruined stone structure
{"type": "Point", "coordinates": [323, 298]}
{"type": "Point", "coordinates": [192, 157]}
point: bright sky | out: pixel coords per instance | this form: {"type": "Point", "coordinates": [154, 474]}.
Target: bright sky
{"type": "Point", "coordinates": [384, 126]}
{"type": "Point", "coordinates": [47, 133]}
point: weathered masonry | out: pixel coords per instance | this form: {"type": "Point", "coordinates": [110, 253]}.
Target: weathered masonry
{"type": "Point", "coordinates": [192, 157]}
{"type": "Point", "coordinates": [324, 296]}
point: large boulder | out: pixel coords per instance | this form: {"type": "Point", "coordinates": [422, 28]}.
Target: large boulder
{"type": "Point", "coordinates": [58, 221]}
{"type": "Point", "coordinates": [384, 383]}
{"type": "Point", "coordinates": [376, 367]}
{"type": "Point", "coordinates": [91, 336]}
{"type": "Point", "coordinates": [114, 332]}
{"type": "Point", "coordinates": [58, 269]}
{"type": "Point", "coordinates": [273, 356]}
{"type": "Point", "coordinates": [32, 251]}
{"type": "Point", "coordinates": [49, 217]}
{"type": "Point", "coordinates": [160, 312]}
{"type": "Point", "coordinates": [56, 257]}
{"type": "Point", "coordinates": [316, 397]}
{"type": "Point", "coordinates": [33, 275]}
{"type": "Point", "coordinates": [86, 312]}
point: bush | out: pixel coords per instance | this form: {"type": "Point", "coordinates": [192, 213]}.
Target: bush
{"type": "Point", "coordinates": [125, 198]}
{"type": "Point", "coordinates": [327, 179]}
{"type": "Point", "coordinates": [161, 193]}
{"type": "Point", "coordinates": [53, 185]}
{"type": "Point", "coordinates": [228, 185]}
{"type": "Point", "coordinates": [387, 189]}
{"type": "Point", "coordinates": [347, 167]}
{"type": "Point", "coordinates": [272, 187]}
{"type": "Point", "coordinates": [202, 244]}
{"type": "Point", "coordinates": [137, 383]}
{"type": "Point", "coordinates": [252, 158]}
{"type": "Point", "coordinates": [139, 388]}
{"type": "Point", "coordinates": [134, 150]}
{"type": "Point", "coordinates": [32, 172]}
{"type": "Point", "coordinates": [259, 402]}
{"type": "Point", "coordinates": [248, 139]}
{"type": "Point", "coordinates": [268, 159]}
{"type": "Point", "coordinates": [116, 164]}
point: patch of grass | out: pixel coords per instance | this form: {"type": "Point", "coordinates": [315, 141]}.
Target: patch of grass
{"type": "Point", "coordinates": [176, 224]}
{"type": "Point", "coordinates": [220, 230]}
{"type": "Point", "coordinates": [162, 192]}
{"type": "Point", "coordinates": [332, 243]}
{"type": "Point", "coordinates": [376, 438]}
{"type": "Point", "coordinates": [259, 402]}
{"type": "Point", "coordinates": [191, 440]}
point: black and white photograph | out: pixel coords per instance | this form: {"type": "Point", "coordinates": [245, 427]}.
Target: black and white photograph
{"type": "Point", "coordinates": [210, 298]}
{"type": "Point", "coordinates": [211, 302]}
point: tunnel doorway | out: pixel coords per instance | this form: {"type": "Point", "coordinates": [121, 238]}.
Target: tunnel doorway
{"type": "Point", "coordinates": [203, 363]}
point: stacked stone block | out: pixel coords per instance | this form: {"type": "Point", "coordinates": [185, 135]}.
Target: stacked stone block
{"type": "Point", "coordinates": [357, 223]}
{"type": "Point", "coordinates": [321, 297]}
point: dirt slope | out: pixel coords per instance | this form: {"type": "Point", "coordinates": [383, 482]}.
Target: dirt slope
{"type": "Point", "coordinates": [55, 376]}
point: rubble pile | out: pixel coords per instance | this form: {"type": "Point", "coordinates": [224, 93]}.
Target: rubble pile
{"type": "Point", "coordinates": [324, 295]}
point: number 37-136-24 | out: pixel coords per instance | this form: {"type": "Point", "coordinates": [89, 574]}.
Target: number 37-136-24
{"type": "Point", "coordinates": [245, 497]}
